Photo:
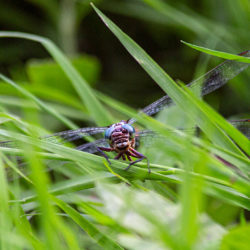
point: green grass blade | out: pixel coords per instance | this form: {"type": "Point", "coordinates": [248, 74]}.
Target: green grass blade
{"type": "Point", "coordinates": [99, 114]}
{"type": "Point", "coordinates": [180, 97]}
{"type": "Point", "coordinates": [178, 16]}
{"type": "Point", "coordinates": [212, 115]}
{"type": "Point", "coordinates": [102, 239]}
{"type": "Point", "coordinates": [65, 111]}
{"type": "Point", "coordinates": [136, 173]}
{"type": "Point", "coordinates": [219, 53]}
{"type": "Point", "coordinates": [238, 160]}
{"type": "Point", "coordinates": [41, 104]}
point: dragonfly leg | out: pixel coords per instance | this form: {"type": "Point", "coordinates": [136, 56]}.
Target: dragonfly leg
{"type": "Point", "coordinates": [141, 157]}
{"type": "Point", "coordinates": [119, 156]}
{"type": "Point", "coordinates": [134, 162]}
{"type": "Point", "coordinates": [101, 149]}
{"type": "Point", "coordinates": [128, 156]}
{"type": "Point", "coordinates": [105, 149]}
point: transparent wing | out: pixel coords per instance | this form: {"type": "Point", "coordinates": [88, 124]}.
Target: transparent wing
{"type": "Point", "coordinates": [147, 137]}
{"type": "Point", "coordinates": [72, 135]}
{"type": "Point", "coordinates": [91, 147]}
{"type": "Point", "coordinates": [64, 136]}
{"type": "Point", "coordinates": [7, 144]}
{"type": "Point", "coordinates": [243, 126]}
{"type": "Point", "coordinates": [209, 82]}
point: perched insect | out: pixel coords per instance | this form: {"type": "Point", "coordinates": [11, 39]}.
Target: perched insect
{"type": "Point", "coordinates": [121, 137]}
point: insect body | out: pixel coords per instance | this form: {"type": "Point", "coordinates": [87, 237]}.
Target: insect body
{"type": "Point", "coordinates": [121, 137]}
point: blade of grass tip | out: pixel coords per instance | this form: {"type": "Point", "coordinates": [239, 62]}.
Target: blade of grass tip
{"type": "Point", "coordinates": [100, 115]}
{"type": "Point", "coordinates": [220, 54]}
{"type": "Point", "coordinates": [41, 104]}
{"type": "Point", "coordinates": [180, 97]}
{"type": "Point", "coordinates": [102, 239]}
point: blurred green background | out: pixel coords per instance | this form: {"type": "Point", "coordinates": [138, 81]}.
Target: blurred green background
{"type": "Point", "coordinates": [158, 26]}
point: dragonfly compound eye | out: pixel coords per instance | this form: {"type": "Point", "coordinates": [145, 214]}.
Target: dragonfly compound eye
{"type": "Point", "coordinates": [108, 133]}
{"type": "Point", "coordinates": [130, 129]}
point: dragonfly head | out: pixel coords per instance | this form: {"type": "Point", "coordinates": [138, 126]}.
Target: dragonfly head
{"type": "Point", "coordinates": [120, 128]}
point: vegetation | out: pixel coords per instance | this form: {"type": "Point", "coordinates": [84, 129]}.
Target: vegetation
{"type": "Point", "coordinates": [56, 197]}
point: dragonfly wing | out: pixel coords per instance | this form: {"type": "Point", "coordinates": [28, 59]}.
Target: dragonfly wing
{"type": "Point", "coordinates": [147, 137]}
{"type": "Point", "coordinates": [212, 80]}
{"type": "Point", "coordinates": [243, 126]}
{"type": "Point", "coordinates": [91, 147]}
{"type": "Point", "coordinates": [220, 75]}
{"type": "Point", "coordinates": [72, 135]}
{"type": "Point", "coordinates": [62, 137]}
{"type": "Point", "coordinates": [7, 144]}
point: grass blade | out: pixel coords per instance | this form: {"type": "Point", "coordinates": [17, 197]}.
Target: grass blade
{"type": "Point", "coordinates": [102, 239]}
{"type": "Point", "coordinates": [99, 114]}
{"type": "Point", "coordinates": [188, 103]}
{"type": "Point", "coordinates": [41, 104]}
{"type": "Point", "coordinates": [219, 53]}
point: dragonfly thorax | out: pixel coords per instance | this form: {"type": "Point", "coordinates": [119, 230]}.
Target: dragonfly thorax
{"type": "Point", "coordinates": [121, 136]}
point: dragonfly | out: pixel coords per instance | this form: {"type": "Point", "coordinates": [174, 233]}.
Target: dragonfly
{"type": "Point", "coordinates": [122, 138]}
